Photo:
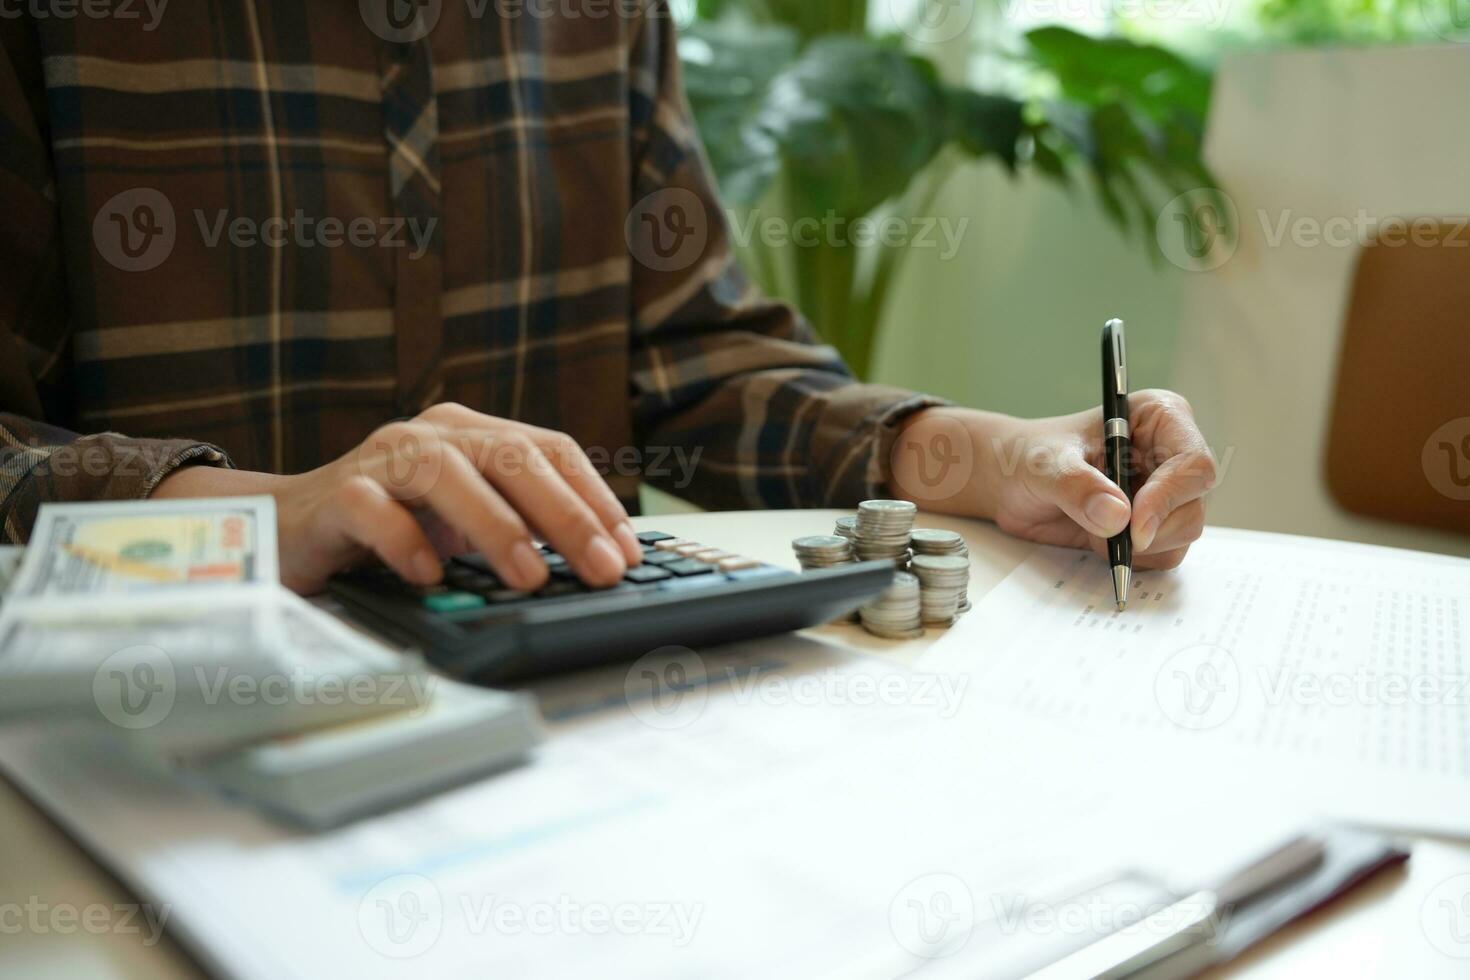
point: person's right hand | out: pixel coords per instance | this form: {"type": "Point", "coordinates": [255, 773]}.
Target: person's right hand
{"type": "Point", "coordinates": [449, 481]}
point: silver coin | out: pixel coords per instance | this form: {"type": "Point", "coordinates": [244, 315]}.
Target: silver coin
{"type": "Point", "coordinates": [888, 506]}
{"type": "Point", "coordinates": [941, 563]}
{"type": "Point", "coordinates": [821, 542]}
{"type": "Point", "coordinates": [936, 537]}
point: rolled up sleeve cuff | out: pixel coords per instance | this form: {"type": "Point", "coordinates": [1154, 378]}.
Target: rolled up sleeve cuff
{"type": "Point", "coordinates": [853, 445]}
{"type": "Point", "coordinates": [101, 467]}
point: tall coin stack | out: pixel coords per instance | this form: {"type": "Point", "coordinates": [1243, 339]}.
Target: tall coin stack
{"type": "Point", "coordinates": [932, 541]}
{"type": "Point", "coordinates": [882, 531]}
{"type": "Point", "coordinates": [894, 614]}
{"type": "Point", "coordinates": [942, 577]}
{"type": "Point", "coordinates": [822, 551]}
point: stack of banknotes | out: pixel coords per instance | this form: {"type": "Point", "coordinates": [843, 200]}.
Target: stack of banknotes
{"type": "Point", "coordinates": [163, 626]}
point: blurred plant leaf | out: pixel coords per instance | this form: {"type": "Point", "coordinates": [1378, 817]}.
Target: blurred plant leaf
{"type": "Point", "coordinates": [794, 91]}
{"type": "Point", "coordinates": [982, 124]}
{"type": "Point", "coordinates": [728, 68]}
{"type": "Point", "coordinates": [856, 120]}
{"type": "Point", "coordinates": [1098, 71]}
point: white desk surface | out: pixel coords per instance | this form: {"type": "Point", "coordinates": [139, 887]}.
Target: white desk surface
{"type": "Point", "coordinates": [1377, 931]}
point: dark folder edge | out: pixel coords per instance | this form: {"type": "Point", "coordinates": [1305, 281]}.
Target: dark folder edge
{"type": "Point", "coordinates": [1350, 857]}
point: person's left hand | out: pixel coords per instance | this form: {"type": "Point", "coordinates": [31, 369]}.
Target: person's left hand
{"type": "Point", "coordinates": [1042, 479]}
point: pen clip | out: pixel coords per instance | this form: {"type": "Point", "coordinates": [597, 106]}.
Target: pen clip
{"type": "Point", "coordinates": [1120, 358]}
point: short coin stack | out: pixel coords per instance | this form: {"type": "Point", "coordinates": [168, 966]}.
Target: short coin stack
{"type": "Point", "coordinates": [932, 541]}
{"type": "Point", "coordinates": [943, 578]}
{"type": "Point", "coordinates": [894, 614]}
{"type": "Point", "coordinates": [882, 531]}
{"type": "Point", "coordinates": [846, 528]}
{"type": "Point", "coordinates": [822, 551]}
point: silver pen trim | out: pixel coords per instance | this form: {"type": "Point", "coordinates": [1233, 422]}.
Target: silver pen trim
{"type": "Point", "coordinates": [1122, 574]}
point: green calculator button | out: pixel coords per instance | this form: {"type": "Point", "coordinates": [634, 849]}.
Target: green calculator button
{"type": "Point", "coordinates": [452, 602]}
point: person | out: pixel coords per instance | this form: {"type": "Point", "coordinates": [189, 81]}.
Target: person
{"type": "Point", "coordinates": [406, 267]}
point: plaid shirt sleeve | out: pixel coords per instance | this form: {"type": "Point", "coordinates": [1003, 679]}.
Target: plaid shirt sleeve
{"type": "Point", "coordinates": [41, 462]}
{"type": "Point", "coordinates": [717, 368]}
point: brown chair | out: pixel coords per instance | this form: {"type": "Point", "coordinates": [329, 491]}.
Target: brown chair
{"type": "Point", "coordinates": [1399, 447]}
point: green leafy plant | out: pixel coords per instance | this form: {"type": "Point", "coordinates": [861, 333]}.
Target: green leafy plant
{"type": "Point", "coordinates": [1358, 21]}
{"type": "Point", "coordinates": [807, 114]}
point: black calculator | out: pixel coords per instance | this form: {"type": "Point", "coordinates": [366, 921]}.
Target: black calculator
{"type": "Point", "coordinates": [684, 594]}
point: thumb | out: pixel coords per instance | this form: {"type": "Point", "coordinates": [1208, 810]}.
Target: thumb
{"type": "Point", "coordinates": [1084, 494]}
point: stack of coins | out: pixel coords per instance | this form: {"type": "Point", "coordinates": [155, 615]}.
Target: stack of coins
{"type": "Point", "coordinates": [942, 578]}
{"type": "Point", "coordinates": [931, 541]}
{"type": "Point", "coordinates": [822, 551]}
{"type": "Point", "coordinates": [882, 530]}
{"type": "Point", "coordinates": [894, 614]}
{"type": "Point", "coordinates": [846, 528]}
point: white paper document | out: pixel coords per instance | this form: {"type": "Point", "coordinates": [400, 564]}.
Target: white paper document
{"type": "Point", "coordinates": [782, 808]}
{"type": "Point", "coordinates": [1336, 673]}
{"type": "Point", "coordinates": [789, 808]}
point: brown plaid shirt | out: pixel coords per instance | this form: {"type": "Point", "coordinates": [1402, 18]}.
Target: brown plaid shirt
{"type": "Point", "coordinates": [248, 232]}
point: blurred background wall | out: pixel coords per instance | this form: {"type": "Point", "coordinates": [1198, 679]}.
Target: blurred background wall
{"type": "Point", "coordinates": [1011, 322]}
{"type": "Point", "coordinates": [1321, 110]}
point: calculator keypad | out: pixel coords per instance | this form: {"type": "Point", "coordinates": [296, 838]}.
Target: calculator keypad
{"type": "Point", "coordinates": [471, 586]}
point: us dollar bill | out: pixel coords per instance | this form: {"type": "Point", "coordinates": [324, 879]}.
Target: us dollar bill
{"type": "Point", "coordinates": [150, 547]}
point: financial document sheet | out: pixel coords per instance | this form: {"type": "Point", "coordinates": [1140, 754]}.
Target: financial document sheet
{"type": "Point", "coordinates": [1340, 671]}
{"type": "Point", "coordinates": [783, 808]}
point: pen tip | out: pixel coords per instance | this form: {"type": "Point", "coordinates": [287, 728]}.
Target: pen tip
{"type": "Point", "coordinates": [1122, 576]}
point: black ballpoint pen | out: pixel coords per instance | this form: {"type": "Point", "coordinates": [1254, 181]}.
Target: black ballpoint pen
{"type": "Point", "coordinates": [1118, 449]}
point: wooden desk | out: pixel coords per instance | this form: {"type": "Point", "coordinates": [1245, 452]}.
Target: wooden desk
{"type": "Point", "coordinates": [1377, 931]}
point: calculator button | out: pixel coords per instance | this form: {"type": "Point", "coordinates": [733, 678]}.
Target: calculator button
{"type": "Point", "coordinates": [711, 556]}
{"type": "Point", "coordinates": [660, 557]}
{"type": "Point", "coordinates": [508, 595]}
{"type": "Point", "coordinates": [689, 567]}
{"type": "Point", "coordinates": [470, 580]}
{"type": "Point", "coordinates": [690, 547]}
{"type": "Point", "coordinates": [554, 561]}
{"type": "Point", "coordinates": [645, 573]}
{"type": "Point", "coordinates": [737, 563]}
{"type": "Point", "coordinates": [654, 537]}
{"type": "Point", "coordinates": [452, 602]}
{"type": "Point", "coordinates": [671, 544]}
